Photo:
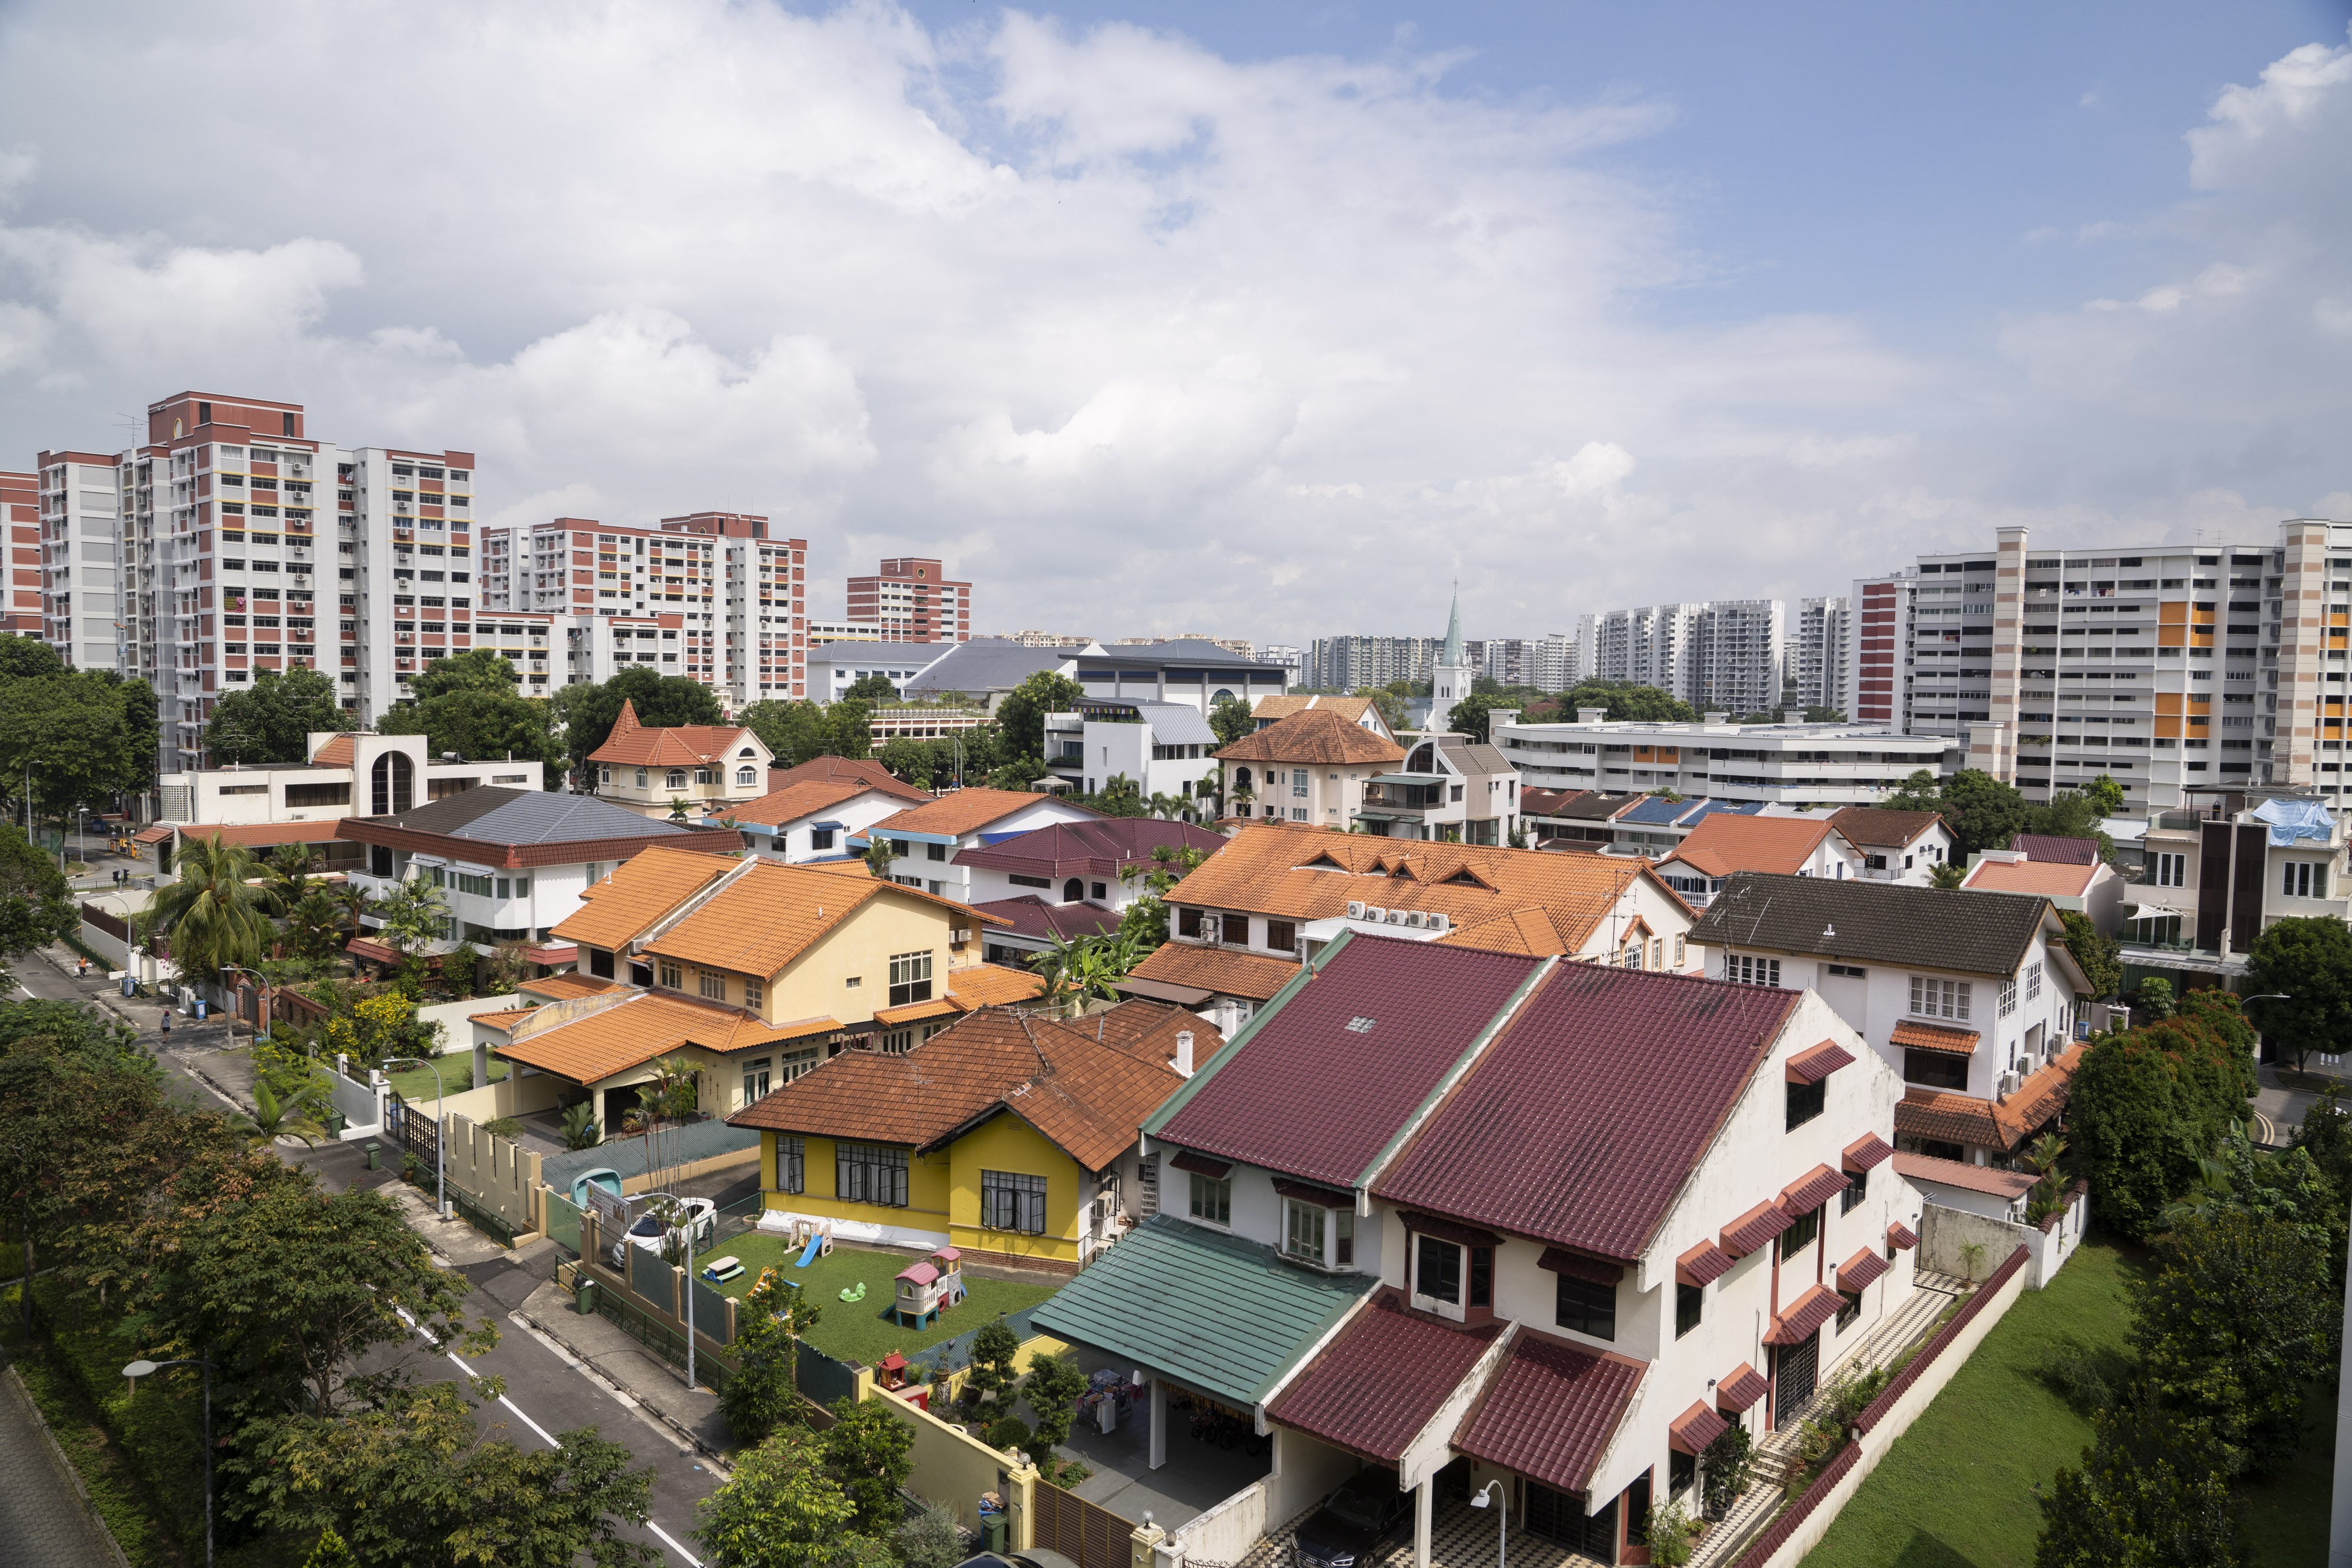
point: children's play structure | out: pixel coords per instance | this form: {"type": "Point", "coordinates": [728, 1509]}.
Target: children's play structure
{"type": "Point", "coordinates": [928, 1289]}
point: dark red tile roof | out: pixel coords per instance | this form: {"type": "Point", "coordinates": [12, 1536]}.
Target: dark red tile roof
{"type": "Point", "coordinates": [1812, 1189]}
{"type": "Point", "coordinates": [2052, 850]}
{"type": "Point", "coordinates": [1201, 1165]}
{"type": "Point", "coordinates": [1752, 1230]}
{"type": "Point", "coordinates": [1098, 849]}
{"type": "Point", "coordinates": [1865, 1267]}
{"type": "Point", "coordinates": [1332, 1076]}
{"type": "Point", "coordinates": [1741, 1386]}
{"type": "Point", "coordinates": [1803, 1317]}
{"type": "Point", "coordinates": [1575, 1087]}
{"type": "Point", "coordinates": [1812, 1066]}
{"type": "Point", "coordinates": [1695, 1429]}
{"type": "Point", "coordinates": [1702, 1264]}
{"type": "Point", "coordinates": [1030, 915]}
{"type": "Point", "coordinates": [1866, 1153]}
{"type": "Point", "coordinates": [1576, 1266]}
{"type": "Point", "coordinates": [1384, 1377]}
{"type": "Point", "coordinates": [1314, 1191]}
{"type": "Point", "coordinates": [1899, 1235]}
{"type": "Point", "coordinates": [1550, 1410]}
{"type": "Point", "coordinates": [1452, 1230]}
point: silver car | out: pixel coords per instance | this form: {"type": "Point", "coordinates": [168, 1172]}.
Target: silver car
{"type": "Point", "coordinates": [662, 1219]}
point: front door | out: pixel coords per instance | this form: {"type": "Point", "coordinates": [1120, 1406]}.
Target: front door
{"type": "Point", "coordinates": [1794, 1369]}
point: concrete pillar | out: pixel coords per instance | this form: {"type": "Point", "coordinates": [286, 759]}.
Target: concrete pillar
{"type": "Point", "coordinates": [1020, 1509]}
{"type": "Point", "coordinates": [1159, 1423]}
{"type": "Point", "coordinates": [1424, 1512]}
{"type": "Point", "coordinates": [1139, 1544]}
{"type": "Point", "coordinates": [597, 1096]}
{"type": "Point", "coordinates": [481, 1063]}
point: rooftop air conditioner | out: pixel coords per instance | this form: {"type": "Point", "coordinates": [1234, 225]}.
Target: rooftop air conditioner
{"type": "Point", "coordinates": [1374, 913]}
{"type": "Point", "coordinates": [1396, 917]}
{"type": "Point", "coordinates": [1355, 909]}
{"type": "Point", "coordinates": [1437, 922]}
{"type": "Point", "coordinates": [1412, 918]}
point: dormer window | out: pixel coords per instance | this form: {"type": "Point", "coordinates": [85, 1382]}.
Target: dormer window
{"type": "Point", "coordinates": [1318, 1228]}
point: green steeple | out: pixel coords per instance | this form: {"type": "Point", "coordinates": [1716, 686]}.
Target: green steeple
{"type": "Point", "coordinates": [1453, 632]}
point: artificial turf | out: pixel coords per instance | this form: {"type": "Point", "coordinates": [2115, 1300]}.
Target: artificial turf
{"type": "Point", "coordinates": [860, 1331]}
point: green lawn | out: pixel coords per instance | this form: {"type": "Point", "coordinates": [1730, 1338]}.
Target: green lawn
{"type": "Point", "coordinates": [1957, 1487]}
{"type": "Point", "coordinates": [415, 1083]}
{"type": "Point", "coordinates": [860, 1332]}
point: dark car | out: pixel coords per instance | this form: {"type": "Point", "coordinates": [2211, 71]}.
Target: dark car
{"type": "Point", "coordinates": [1356, 1520]}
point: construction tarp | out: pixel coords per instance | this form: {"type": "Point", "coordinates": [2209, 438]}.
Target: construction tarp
{"type": "Point", "coordinates": [2295, 821]}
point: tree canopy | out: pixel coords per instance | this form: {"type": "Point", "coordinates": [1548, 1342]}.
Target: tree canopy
{"type": "Point", "coordinates": [470, 704]}
{"type": "Point", "coordinates": [2148, 1105]}
{"type": "Point", "coordinates": [273, 719]}
{"type": "Point", "coordinates": [1625, 700]}
{"type": "Point", "coordinates": [2307, 961]}
{"type": "Point", "coordinates": [84, 737]}
{"type": "Point", "coordinates": [35, 906]}
{"type": "Point", "coordinates": [874, 687]}
{"type": "Point", "coordinates": [1021, 712]}
{"type": "Point", "coordinates": [587, 712]}
{"type": "Point", "coordinates": [1231, 719]}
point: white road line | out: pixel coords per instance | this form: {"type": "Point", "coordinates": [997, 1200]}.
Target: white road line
{"type": "Point", "coordinates": [692, 1560]}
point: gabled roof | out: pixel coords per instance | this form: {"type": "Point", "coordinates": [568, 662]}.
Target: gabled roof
{"type": "Point", "coordinates": [1547, 802]}
{"type": "Point", "coordinates": [1030, 915]}
{"type": "Point", "coordinates": [1726, 841]}
{"type": "Point", "coordinates": [638, 892]}
{"type": "Point", "coordinates": [1086, 1090]}
{"type": "Point", "coordinates": [1574, 1087]}
{"type": "Point", "coordinates": [1382, 1378]}
{"type": "Point", "coordinates": [1355, 710]}
{"type": "Point", "coordinates": [1881, 829]}
{"type": "Point", "coordinates": [1471, 757]}
{"type": "Point", "coordinates": [794, 802]}
{"type": "Point", "coordinates": [838, 770]}
{"type": "Point", "coordinates": [337, 750]}
{"type": "Point", "coordinates": [2051, 848]}
{"type": "Point", "coordinates": [772, 913]}
{"type": "Point", "coordinates": [2045, 879]}
{"type": "Point", "coordinates": [960, 811]}
{"type": "Point", "coordinates": [1314, 736]}
{"type": "Point", "coordinates": [1215, 970]}
{"type": "Point", "coordinates": [1993, 1123]}
{"type": "Point", "coordinates": [1878, 923]}
{"type": "Point", "coordinates": [679, 746]}
{"type": "Point", "coordinates": [633, 1029]}
{"type": "Point", "coordinates": [985, 664]}
{"type": "Point", "coordinates": [493, 825]}
{"type": "Point", "coordinates": [1092, 849]}
{"type": "Point", "coordinates": [1381, 1028]}
{"type": "Point", "coordinates": [1550, 1410]}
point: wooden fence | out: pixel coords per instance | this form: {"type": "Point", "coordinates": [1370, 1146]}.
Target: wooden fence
{"type": "Point", "coordinates": [1088, 1535]}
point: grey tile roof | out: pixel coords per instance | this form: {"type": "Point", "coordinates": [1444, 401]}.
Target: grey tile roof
{"type": "Point", "coordinates": [987, 665]}
{"type": "Point", "coordinates": [1177, 724]}
{"type": "Point", "coordinates": [1474, 755]}
{"type": "Point", "coordinates": [490, 814]}
{"type": "Point", "coordinates": [1140, 656]}
{"type": "Point", "coordinates": [1874, 922]}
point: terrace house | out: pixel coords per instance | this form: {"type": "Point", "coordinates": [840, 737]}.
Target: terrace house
{"type": "Point", "coordinates": [1730, 841]}
{"type": "Point", "coordinates": [813, 820]}
{"type": "Point", "coordinates": [1073, 878]}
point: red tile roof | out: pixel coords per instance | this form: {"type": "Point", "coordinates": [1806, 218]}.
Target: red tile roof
{"type": "Point", "coordinates": [1364, 1043]}
{"type": "Point", "coordinates": [1812, 1066]}
{"type": "Point", "coordinates": [1741, 1386]}
{"type": "Point", "coordinates": [335, 751]}
{"type": "Point", "coordinates": [1803, 1317]}
{"type": "Point", "coordinates": [1862, 1269]}
{"type": "Point", "coordinates": [2051, 849]}
{"type": "Point", "coordinates": [834, 770]}
{"type": "Point", "coordinates": [1730, 841]}
{"type": "Point", "coordinates": [1215, 970]}
{"type": "Point", "coordinates": [1550, 1410]}
{"type": "Point", "coordinates": [1573, 1088]}
{"type": "Point", "coordinates": [1030, 915]}
{"type": "Point", "coordinates": [266, 835]}
{"type": "Point", "coordinates": [1695, 1429]}
{"type": "Point", "coordinates": [1702, 1264]}
{"type": "Point", "coordinates": [1864, 1153]}
{"type": "Point", "coordinates": [1899, 1235]}
{"type": "Point", "coordinates": [790, 804]}
{"type": "Point", "coordinates": [679, 746]}
{"type": "Point", "coordinates": [1991, 1180]}
{"type": "Point", "coordinates": [1089, 849]}
{"type": "Point", "coordinates": [1751, 1230]}
{"type": "Point", "coordinates": [1384, 1377]}
{"type": "Point", "coordinates": [1812, 1189]}
{"type": "Point", "coordinates": [1313, 734]}
{"type": "Point", "coordinates": [1934, 1036]}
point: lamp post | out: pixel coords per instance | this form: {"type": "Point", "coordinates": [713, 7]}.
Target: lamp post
{"type": "Point", "coordinates": [440, 1182]}
{"type": "Point", "coordinates": [689, 1217]}
{"type": "Point", "coordinates": [138, 1369]}
{"type": "Point", "coordinates": [1502, 1499]}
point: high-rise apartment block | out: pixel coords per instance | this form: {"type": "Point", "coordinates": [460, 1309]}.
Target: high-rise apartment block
{"type": "Point", "coordinates": [1817, 650]}
{"type": "Point", "coordinates": [1876, 673]}
{"type": "Point", "coordinates": [1345, 663]}
{"type": "Point", "coordinates": [912, 601]}
{"type": "Point", "coordinates": [20, 521]}
{"type": "Point", "coordinates": [1558, 664]}
{"type": "Point", "coordinates": [1724, 654]}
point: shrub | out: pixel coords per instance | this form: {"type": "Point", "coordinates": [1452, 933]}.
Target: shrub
{"type": "Point", "coordinates": [1668, 1531]}
{"type": "Point", "coordinates": [506, 1127]}
{"type": "Point", "coordinates": [1727, 1464]}
{"type": "Point", "coordinates": [1054, 1387]}
{"type": "Point", "coordinates": [932, 1538]}
{"type": "Point", "coordinates": [1009, 1433]}
{"type": "Point", "coordinates": [870, 1452]}
{"type": "Point", "coordinates": [987, 1388]}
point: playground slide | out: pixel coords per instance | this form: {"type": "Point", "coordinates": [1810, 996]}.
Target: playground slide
{"type": "Point", "coordinates": [809, 1252]}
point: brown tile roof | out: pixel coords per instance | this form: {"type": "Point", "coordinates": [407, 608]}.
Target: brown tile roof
{"type": "Point", "coordinates": [1812, 1066]}
{"type": "Point", "coordinates": [1317, 736]}
{"type": "Point", "coordinates": [2056, 850]}
{"type": "Point", "coordinates": [959, 812]}
{"type": "Point", "coordinates": [1244, 975]}
{"type": "Point", "coordinates": [1861, 921]}
{"type": "Point", "coordinates": [1920, 1036]}
{"type": "Point", "coordinates": [791, 802]}
{"type": "Point", "coordinates": [1695, 1429]}
{"type": "Point", "coordinates": [1865, 1152]}
{"type": "Point", "coordinates": [1728, 842]}
{"type": "Point", "coordinates": [1355, 710]}
{"type": "Point", "coordinates": [1861, 1270]}
{"type": "Point", "coordinates": [772, 913]}
{"type": "Point", "coordinates": [838, 770]}
{"type": "Point", "coordinates": [992, 986]}
{"type": "Point", "coordinates": [1812, 1189]}
{"type": "Point", "coordinates": [1991, 1180]}
{"type": "Point", "coordinates": [629, 1032]}
{"type": "Point", "coordinates": [679, 746]}
{"type": "Point", "coordinates": [503, 1019]}
{"type": "Point", "coordinates": [563, 987]}
{"type": "Point", "coordinates": [1314, 873]}
{"type": "Point", "coordinates": [640, 891]}
{"type": "Point", "coordinates": [1964, 1119]}
{"type": "Point", "coordinates": [1570, 1085]}
{"type": "Point", "coordinates": [2048, 878]}
{"type": "Point", "coordinates": [1030, 915]}
{"type": "Point", "coordinates": [1550, 1410]}
{"type": "Point", "coordinates": [1086, 1096]}
{"type": "Point", "coordinates": [266, 835]}
{"type": "Point", "coordinates": [336, 751]}
{"type": "Point", "coordinates": [1879, 828]}
{"type": "Point", "coordinates": [1741, 1386]}
{"type": "Point", "coordinates": [1802, 1318]}
{"type": "Point", "coordinates": [1751, 1230]}
{"type": "Point", "coordinates": [1899, 1235]}
{"type": "Point", "coordinates": [1384, 1378]}
{"type": "Point", "coordinates": [1702, 1264]}
{"type": "Point", "coordinates": [1546, 802]}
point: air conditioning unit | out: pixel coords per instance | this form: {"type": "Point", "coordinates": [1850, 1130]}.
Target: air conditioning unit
{"type": "Point", "coordinates": [1396, 917]}
{"type": "Point", "coordinates": [960, 935]}
{"type": "Point", "coordinates": [1438, 924]}
{"type": "Point", "coordinates": [1355, 909]}
{"type": "Point", "coordinates": [1412, 918]}
{"type": "Point", "coordinates": [1374, 913]}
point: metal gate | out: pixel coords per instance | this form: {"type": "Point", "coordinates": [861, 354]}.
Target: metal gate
{"type": "Point", "coordinates": [1794, 1369]}
{"type": "Point", "coordinates": [1089, 1536]}
{"type": "Point", "coordinates": [414, 1131]}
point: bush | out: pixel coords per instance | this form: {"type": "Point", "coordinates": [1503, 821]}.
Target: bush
{"type": "Point", "coordinates": [1726, 1467]}
{"type": "Point", "coordinates": [506, 1127]}
{"type": "Point", "coordinates": [2077, 1379]}
{"type": "Point", "coordinates": [870, 1452]}
{"type": "Point", "coordinates": [1053, 1389]}
{"type": "Point", "coordinates": [1009, 1433]}
{"type": "Point", "coordinates": [932, 1538]}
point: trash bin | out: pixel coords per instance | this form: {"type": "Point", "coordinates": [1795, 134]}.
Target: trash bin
{"type": "Point", "coordinates": [585, 1299]}
{"type": "Point", "coordinates": [994, 1524]}
{"type": "Point", "coordinates": [372, 1151]}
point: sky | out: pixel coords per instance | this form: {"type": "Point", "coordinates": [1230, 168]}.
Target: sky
{"type": "Point", "coordinates": [1263, 321]}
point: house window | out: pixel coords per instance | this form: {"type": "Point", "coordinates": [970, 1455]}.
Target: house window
{"type": "Point", "coordinates": [1233, 929]}
{"type": "Point", "coordinates": [792, 1165]}
{"type": "Point", "coordinates": [1681, 1472]}
{"type": "Point", "coordinates": [1934, 999]}
{"type": "Point", "coordinates": [1212, 1198]}
{"type": "Point", "coordinates": [1690, 1304]}
{"type": "Point", "coordinates": [1587, 1307]}
{"type": "Point", "coordinates": [675, 778]}
{"type": "Point", "coordinates": [869, 1173]}
{"type": "Point", "coordinates": [898, 1043]}
{"type": "Point", "coordinates": [2008, 997]}
{"type": "Point", "coordinates": [2305, 879]}
{"type": "Point", "coordinates": [755, 1079]}
{"type": "Point", "coordinates": [1801, 1234]}
{"type": "Point", "coordinates": [821, 838]}
{"type": "Point", "coordinates": [641, 778]}
{"type": "Point", "coordinates": [1188, 921]}
{"type": "Point", "coordinates": [1282, 936]}
{"type": "Point", "coordinates": [713, 985]}
{"type": "Point", "coordinates": [798, 1063]}
{"type": "Point", "coordinates": [752, 994]}
{"type": "Point", "coordinates": [1009, 1201]}
{"type": "Point", "coordinates": [1304, 1229]}
{"type": "Point", "coordinates": [1743, 970]}
{"type": "Point", "coordinates": [600, 963]}
{"type": "Point", "coordinates": [1936, 1069]}
{"type": "Point", "coordinates": [1298, 783]}
{"type": "Point", "coordinates": [1851, 971]}
{"type": "Point", "coordinates": [1481, 1276]}
{"type": "Point", "coordinates": [935, 852]}
{"type": "Point", "coordinates": [1679, 943]}
{"type": "Point", "coordinates": [1849, 1308]}
{"type": "Point", "coordinates": [1437, 1269]}
{"type": "Point", "coordinates": [1852, 1197]}
{"type": "Point", "coordinates": [672, 975]}
{"type": "Point", "coordinates": [746, 776]}
{"type": "Point", "coordinates": [2033, 981]}
{"type": "Point", "coordinates": [911, 978]}
{"type": "Point", "coordinates": [1343, 1238]}
{"type": "Point", "coordinates": [1632, 958]}
{"type": "Point", "coordinates": [2171, 870]}
{"type": "Point", "coordinates": [1806, 1102]}
{"type": "Point", "coordinates": [702, 776]}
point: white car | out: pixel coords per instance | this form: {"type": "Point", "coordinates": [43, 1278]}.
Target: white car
{"type": "Point", "coordinates": [699, 1217]}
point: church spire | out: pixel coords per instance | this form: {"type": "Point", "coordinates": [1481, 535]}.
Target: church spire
{"type": "Point", "coordinates": [1453, 654]}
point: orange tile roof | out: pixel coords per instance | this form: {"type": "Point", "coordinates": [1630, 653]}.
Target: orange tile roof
{"type": "Point", "coordinates": [957, 812]}
{"type": "Point", "coordinates": [635, 1028]}
{"type": "Point", "coordinates": [2043, 878]}
{"type": "Point", "coordinates": [1991, 1180]}
{"type": "Point", "coordinates": [640, 891]}
{"type": "Point", "coordinates": [837, 770]}
{"type": "Point", "coordinates": [768, 915]}
{"type": "Point", "coordinates": [1935, 1037]}
{"type": "Point", "coordinates": [2003, 1124]}
{"type": "Point", "coordinates": [993, 985]}
{"type": "Point", "coordinates": [1728, 842]}
{"type": "Point", "coordinates": [1316, 735]}
{"type": "Point", "coordinates": [1517, 900]}
{"type": "Point", "coordinates": [1353, 709]}
{"type": "Point", "coordinates": [266, 835]}
{"type": "Point", "coordinates": [563, 987]}
{"type": "Point", "coordinates": [1087, 1091]}
{"type": "Point", "coordinates": [1215, 969]}
{"type": "Point", "coordinates": [793, 801]}
{"type": "Point", "coordinates": [679, 746]}
{"type": "Point", "coordinates": [336, 751]}
{"type": "Point", "coordinates": [501, 1021]}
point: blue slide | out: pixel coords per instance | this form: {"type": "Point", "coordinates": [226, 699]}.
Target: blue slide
{"type": "Point", "coordinates": [809, 1251]}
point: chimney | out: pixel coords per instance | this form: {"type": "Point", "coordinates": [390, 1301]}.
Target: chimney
{"type": "Point", "coordinates": [1591, 714]}
{"type": "Point", "coordinates": [1184, 1052]}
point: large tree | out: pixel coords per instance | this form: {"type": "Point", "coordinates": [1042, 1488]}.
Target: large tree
{"type": "Point", "coordinates": [782, 1509]}
{"type": "Point", "coordinates": [35, 906]}
{"type": "Point", "coordinates": [2303, 966]}
{"type": "Point", "coordinates": [273, 720]}
{"type": "Point", "coordinates": [26, 658]}
{"type": "Point", "coordinates": [793, 731]}
{"type": "Point", "coordinates": [484, 724]}
{"type": "Point", "coordinates": [1626, 699]}
{"type": "Point", "coordinates": [2150, 1494]}
{"type": "Point", "coordinates": [874, 687]}
{"type": "Point", "coordinates": [475, 670]}
{"type": "Point", "coordinates": [1231, 719]}
{"type": "Point", "coordinates": [2148, 1105]}
{"type": "Point", "coordinates": [83, 740]}
{"type": "Point", "coordinates": [1982, 812]}
{"type": "Point", "coordinates": [1021, 712]}
{"type": "Point", "coordinates": [586, 712]}
{"type": "Point", "coordinates": [210, 912]}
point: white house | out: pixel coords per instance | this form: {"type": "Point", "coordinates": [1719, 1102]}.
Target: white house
{"type": "Point", "coordinates": [1449, 787]}
{"type": "Point", "coordinates": [926, 837]}
{"type": "Point", "coordinates": [810, 821]}
{"type": "Point", "coordinates": [834, 667]}
{"type": "Point", "coordinates": [347, 773]}
{"type": "Point", "coordinates": [1898, 846]}
{"type": "Point", "coordinates": [1164, 748]}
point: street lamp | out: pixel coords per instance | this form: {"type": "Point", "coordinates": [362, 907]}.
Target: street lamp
{"type": "Point", "coordinates": [138, 1369]}
{"type": "Point", "coordinates": [1502, 1499]}
{"type": "Point", "coordinates": [81, 835]}
{"type": "Point", "coordinates": [440, 1182]}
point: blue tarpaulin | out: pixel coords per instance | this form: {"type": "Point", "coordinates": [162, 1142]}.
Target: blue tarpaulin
{"type": "Point", "coordinates": [2295, 821]}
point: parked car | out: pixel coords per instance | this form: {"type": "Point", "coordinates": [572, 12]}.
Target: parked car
{"type": "Point", "coordinates": [1355, 1521]}
{"type": "Point", "coordinates": [697, 1215]}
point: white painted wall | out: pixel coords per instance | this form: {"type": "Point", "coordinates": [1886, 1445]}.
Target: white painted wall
{"type": "Point", "coordinates": [795, 841]}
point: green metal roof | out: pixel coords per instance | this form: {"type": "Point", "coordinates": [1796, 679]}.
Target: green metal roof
{"type": "Point", "coordinates": [1224, 1315]}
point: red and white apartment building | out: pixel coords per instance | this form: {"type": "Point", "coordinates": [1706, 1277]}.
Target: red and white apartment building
{"type": "Point", "coordinates": [20, 515]}
{"type": "Point", "coordinates": [1878, 651]}
{"type": "Point", "coordinates": [909, 601]}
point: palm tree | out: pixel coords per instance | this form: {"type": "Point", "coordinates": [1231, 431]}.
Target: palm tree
{"type": "Point", "coordinates": [274, 1118]}
{"type": "Point", "coordinates": [211, 912]}
{"type": "Point", "coordinates": [290, 872]}
{"type": "Point", "coordinates": [314, 924]}
{"type": "Point", "coordinates": [1947, 874]}
{"type": "Point", "coordinates": [412, 915]}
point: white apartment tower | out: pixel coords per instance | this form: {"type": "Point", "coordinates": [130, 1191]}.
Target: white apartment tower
{"type": "Point", "coordinates": [1817, 647]}
{"type": "Point", "coordinates": [1722, 655]}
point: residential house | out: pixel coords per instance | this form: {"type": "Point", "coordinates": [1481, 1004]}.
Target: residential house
{"type": "Point", "coordinates": [752, 973]}
{"type": "Point", "coordinates": [1729, 842]}
{"type": "Point", "coordinates": [331, 854]}
{"type": "Point", "coordinates": [1163, 748]}
{"type": "Point", "coordinates": [1356, 710]}
{"type": "Point", "coordinates": [2083, 884]}
{"type": "Point", "coordinates": [1970, 997]}
{"type": "Point", "coordinates": [1503, 1256]}
{"type": "Point", "coordinates": [813, 820]}
{"type": "Point", "coordinates": [513, 865]}
{"type": "Point", "coordinates": [343, 773]}
{"type": "Point", "coordinates": [2221, 869]}
{"type": "Point", "coordinates": [1241, 924]}
{"type": "Point", "coordinates": [1314, 767]}
{"type": "Point", "coordinates": [1898, 846]}
{"type": "Point", "coordinates": [927, 839]}
{"type": "Point", "coordinates": [1071, 879]}
{"type": "Point", "coordinates": [1451, 789]}
{"type": "Point", "coordinates": [1005, 1134]}
{"type": "Point", "coordinates": [836, 770]}
{"type": "Point", "coordinates": [1577, 819]}
{"type": "Point", "coordinates": [708, 766]}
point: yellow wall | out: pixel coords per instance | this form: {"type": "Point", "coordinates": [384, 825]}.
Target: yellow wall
{"type": "Point", "coordinates": [814, 985]}
{"type": "Point", "coordinates": [943, 1189]}
{"type": "Point", "coordinates": [928, 1178]}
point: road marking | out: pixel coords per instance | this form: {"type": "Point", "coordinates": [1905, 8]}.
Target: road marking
{"type": "Point", "coordinates": [692, 1560]}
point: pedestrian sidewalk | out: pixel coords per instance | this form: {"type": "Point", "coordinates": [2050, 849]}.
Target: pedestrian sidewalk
{"type": "Point", "coordinates": [607, 1350]}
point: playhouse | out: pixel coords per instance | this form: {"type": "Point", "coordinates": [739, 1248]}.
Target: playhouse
{"type": "Point", "coordinates": [929, 1287]}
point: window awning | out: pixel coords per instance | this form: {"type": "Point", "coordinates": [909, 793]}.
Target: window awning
{"type": "Point", "coordinates": [1865, 1152]}
{"type": "Point", "coordinates": [1452, 1230]}
{"type": "Point", "coordinates": [1899, 1235]}
{"type": "Point", "coordinates": [1913, 1035]}
{"type": "Point", "coordinates": [829, 824]}
{"type": "Point", "coordinates": [1577, 1266]}
{"type": "Point", "coordinates": [154, 834]}
{"type": "Point", "coordinates": [914, 1012]}
{"type": "Point", "coordinates": [1202, 1164]}
{"type": "Point", "coordinates": [1812, 1189]}
{"type": "Point", "coordinates": [1702, 1264]}
{"type": "Point", "coordinates": [1804, 1316]}
{"type": "Point", "coordinates": [1752, 1230]}
{"type": "Point", "coordinates": [1310, 1192]}
{"type": "Point", "coordinates": [1695, 1429]}
{"type": "Point", "coordinates": [1741, 1386]}
{"type": "Point", "coordinates": [1813, 1065]}
{"type": "Point", "coordinates": [1864, 1269]}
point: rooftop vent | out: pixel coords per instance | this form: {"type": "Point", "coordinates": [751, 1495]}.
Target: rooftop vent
{"type": "Point", "coordinates": [1359, 1026]}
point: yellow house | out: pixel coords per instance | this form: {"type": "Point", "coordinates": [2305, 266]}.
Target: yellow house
{"type": "Point", "coordinates": [751, 971]}
{"type": "Point", "coordinates": [1007, 1135]}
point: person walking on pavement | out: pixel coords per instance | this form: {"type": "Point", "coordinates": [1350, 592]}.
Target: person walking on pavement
{"type": "Point", "coordinates": [167, 1023]}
